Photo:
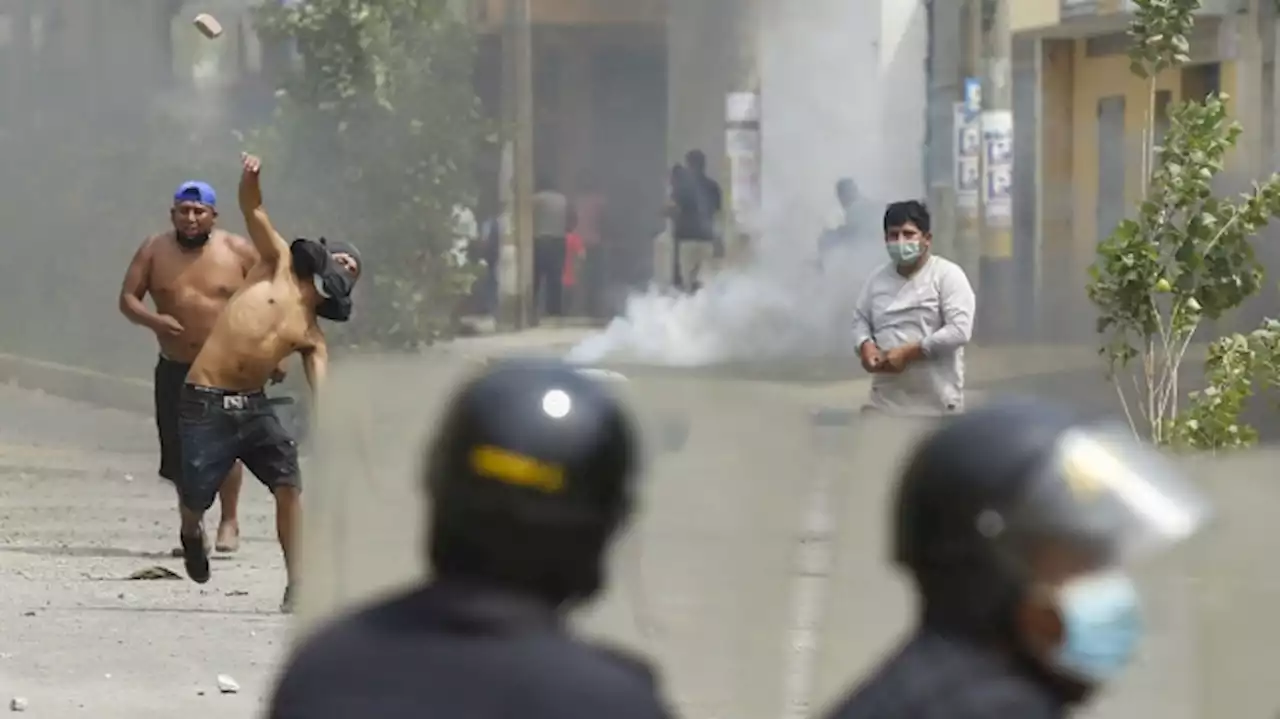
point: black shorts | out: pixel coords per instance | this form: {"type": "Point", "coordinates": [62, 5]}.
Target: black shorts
{"type": "Point", "coordinates": [170, 376]}
{"type": "Point", "coordinates": [220, 426]}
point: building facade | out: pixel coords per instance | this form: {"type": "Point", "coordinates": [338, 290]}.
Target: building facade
{"type": "Point", "coordinates": [1080, 116]}
{"type": "Point", "coordinates": [625, 89]}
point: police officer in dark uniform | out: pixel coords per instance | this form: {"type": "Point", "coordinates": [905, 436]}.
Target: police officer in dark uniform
{"type": "Point", "coordinates": [529, 479]}
{"type": "Point", "coordinates": [1017, 522]}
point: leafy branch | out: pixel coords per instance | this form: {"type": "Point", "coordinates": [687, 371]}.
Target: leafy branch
{"type": "Point", "coordinates": [1186, 254]}
{"type": "Point", "coordinates": [375, 135]}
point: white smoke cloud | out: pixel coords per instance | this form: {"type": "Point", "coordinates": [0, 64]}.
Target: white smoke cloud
{"type": "Point", "coordinates": [763, 311]}
{"type": "Point", "coordinates": [820, 121]}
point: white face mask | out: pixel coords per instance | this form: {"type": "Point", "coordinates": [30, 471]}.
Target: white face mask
{"type": "Point", "coordinates": [904, 252]}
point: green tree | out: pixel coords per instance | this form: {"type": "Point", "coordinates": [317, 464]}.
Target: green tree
{"type": "Point", "coordinates": [373, 140]}
{"type": "Point", "coordinates": [1184, 257]}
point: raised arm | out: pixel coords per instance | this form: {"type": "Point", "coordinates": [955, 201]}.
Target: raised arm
{"type": "Point", "coordinates": [270, 245]}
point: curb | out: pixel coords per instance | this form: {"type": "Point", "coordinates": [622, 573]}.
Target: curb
{"type": "Point", "coordinates": [77, 383]}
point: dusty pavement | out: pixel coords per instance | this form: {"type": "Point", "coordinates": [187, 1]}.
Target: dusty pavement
{"type": "Point", "coordinates": [80, 510]}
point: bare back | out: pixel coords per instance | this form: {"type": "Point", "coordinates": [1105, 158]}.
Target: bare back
{"type": "Point", "coordinates": [269, 319]}
{"type": "Point", "coordinates": [194, 286]}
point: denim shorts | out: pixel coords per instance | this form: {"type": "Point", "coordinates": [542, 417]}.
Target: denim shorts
{"type": "Point", "coordinates": [218, 427]}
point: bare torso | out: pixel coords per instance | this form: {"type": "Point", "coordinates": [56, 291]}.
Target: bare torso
{"type": "Point", "coordinates": [194, 286]}
{"type": "Point", "coordinates": [263, 323]}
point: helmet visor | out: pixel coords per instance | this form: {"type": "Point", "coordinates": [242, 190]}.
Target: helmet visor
{"type": "Point", "coordinates": [1106, 496]}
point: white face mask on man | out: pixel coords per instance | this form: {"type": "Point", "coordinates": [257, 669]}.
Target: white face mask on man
{"type": "Point", "coordinates": [904, 252]}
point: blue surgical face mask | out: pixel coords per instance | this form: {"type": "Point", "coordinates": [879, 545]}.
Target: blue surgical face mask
{"type": "Point", "coordinates": [1102, 624]}
{"type": "Point", "coordinates": [904, 252]}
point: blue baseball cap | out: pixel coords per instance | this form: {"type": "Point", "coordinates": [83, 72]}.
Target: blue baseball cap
{"type": "Point", "coordinates": [196, 191]}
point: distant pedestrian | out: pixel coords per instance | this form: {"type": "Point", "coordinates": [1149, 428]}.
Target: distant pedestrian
{"type": "Point", "coordinates": [855, 219]}
{"type": "Point", "coordinates": [697, 204]}
{"type": "Point", "coordinates": [590, 205]}
{"type": "Point", "coordinates": [575, 256]}
{"type": "Point", "coordinates": [552, 220]}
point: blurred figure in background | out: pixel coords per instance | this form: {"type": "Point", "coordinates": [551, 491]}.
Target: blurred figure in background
{"type": "Point", "coordinates": [666, 270]}
{"type": "Point", "coordinates": [530, 477]}
{"type": "Point", "coordinates": [489, 250]}
{"type": "Point", "coordinates": [698, 203]}
{"type": "Point", "coordinates": [913, 320]}
{"type": "Point", "coordinates": [590, 204]}
{"type": "Point", "coordinates": [575, 258]}
{"type": "Point", "coordinates": [1019, 524]}
{"type": "Point", "coordinates": [853, 209]}
{"type": "Point", "coordinates": [854, 219]}
{"type": "Point", "coordinates": [552, 220]}
{"type": "Point", "coordinates": [466, 233]}
{"type": "Point", "coordinates": [190, 272]}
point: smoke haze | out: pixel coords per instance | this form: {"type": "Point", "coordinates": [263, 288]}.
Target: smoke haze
{"type": "Point", "coordinates": [760, 312]}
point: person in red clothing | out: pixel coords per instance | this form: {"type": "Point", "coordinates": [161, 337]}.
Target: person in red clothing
{"type": "Point", "coordinates": [589, 205]}
{"type": "Point", "coordinates": [575, 252]}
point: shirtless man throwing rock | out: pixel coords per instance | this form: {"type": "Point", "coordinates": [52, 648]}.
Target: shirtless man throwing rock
{"type": "Point", "coordinates": [190, 273]}
{"type": "Point", "coordinates": [224, 413]}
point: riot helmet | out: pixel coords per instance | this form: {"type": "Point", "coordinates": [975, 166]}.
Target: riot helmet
{"type": "Point", "coordinates": [529, 477]}
{"type": "Point", "coordinates": [1023, 500]}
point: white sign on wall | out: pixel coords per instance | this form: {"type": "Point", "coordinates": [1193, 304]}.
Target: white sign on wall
{"type": "Point", "coordinates": [997, 143]}
{"type": "Point", "coordinates": [967, 174]}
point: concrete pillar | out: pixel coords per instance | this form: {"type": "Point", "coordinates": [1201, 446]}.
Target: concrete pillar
{"type": "Point", "coordinates": [946, 87]}
{"type": "Point", "coordinates": [843, 90]}
{"type": "Point", "coordinates": [703, 57]}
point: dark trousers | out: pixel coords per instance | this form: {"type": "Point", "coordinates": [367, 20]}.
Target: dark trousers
{"type": "Point", "coordinates": [548, 273]}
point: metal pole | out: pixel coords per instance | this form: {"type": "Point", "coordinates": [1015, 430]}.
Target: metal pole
{"type": "Point", "coordinates": [743, 164]}
{"type": "Point", "coordinates": [515, 262]}
{"type": "Point", "coordinates": [524, 158]}
{"type": "Point", "coordinates": [998, 266]}
{"type": "Point", "coordinates": [969, 219]}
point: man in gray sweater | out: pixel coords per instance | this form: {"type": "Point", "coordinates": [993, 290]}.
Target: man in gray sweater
{"type": "Point", "coordinates": [913, 320]}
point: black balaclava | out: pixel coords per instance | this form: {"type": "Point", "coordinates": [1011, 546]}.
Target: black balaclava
{"type": "Point", "coordinates": [314, 260]}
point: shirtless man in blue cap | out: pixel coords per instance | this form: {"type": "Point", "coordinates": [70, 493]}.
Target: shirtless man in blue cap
{"type": "Point", "coordinates": [190, 271]}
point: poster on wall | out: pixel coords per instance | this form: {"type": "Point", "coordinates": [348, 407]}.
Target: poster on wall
{"type": "Point", "coordinates": [967, 146]}
{"type": "Point", "coordinates": [742, 151]}
{"type": "Point", "coordinates": [742, 107]}
{"type": "Point", "coordinates": [997, 144]}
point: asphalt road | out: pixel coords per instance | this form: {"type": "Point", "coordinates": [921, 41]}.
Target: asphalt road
{"type": "Point", "coordinates": [81, 509]}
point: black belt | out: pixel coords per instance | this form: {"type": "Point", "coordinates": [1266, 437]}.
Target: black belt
{"type": "Point", "coordinates": [238, 399]}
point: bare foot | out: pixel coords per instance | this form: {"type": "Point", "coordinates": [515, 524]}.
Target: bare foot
{"type": "Point", "coordinates": [228, 538]}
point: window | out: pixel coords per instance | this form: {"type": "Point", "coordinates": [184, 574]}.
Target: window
{"type": "Point", "coordinates": [1200, 81]}
{"type": "Point", "coordinates": [1164, 98]}
{"type": "Point", "coordinates": [1112, 158]}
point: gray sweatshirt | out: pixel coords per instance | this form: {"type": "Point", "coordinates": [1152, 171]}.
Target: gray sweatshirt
{"type": "Point", "coordinates": [935, 307]}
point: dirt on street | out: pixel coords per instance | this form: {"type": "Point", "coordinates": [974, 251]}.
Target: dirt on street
{"type": "Point", "coordinates": [81, 509]}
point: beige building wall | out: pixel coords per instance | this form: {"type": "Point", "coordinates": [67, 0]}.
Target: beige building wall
{"type": "Point", "coordinates": [1078, 73]}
